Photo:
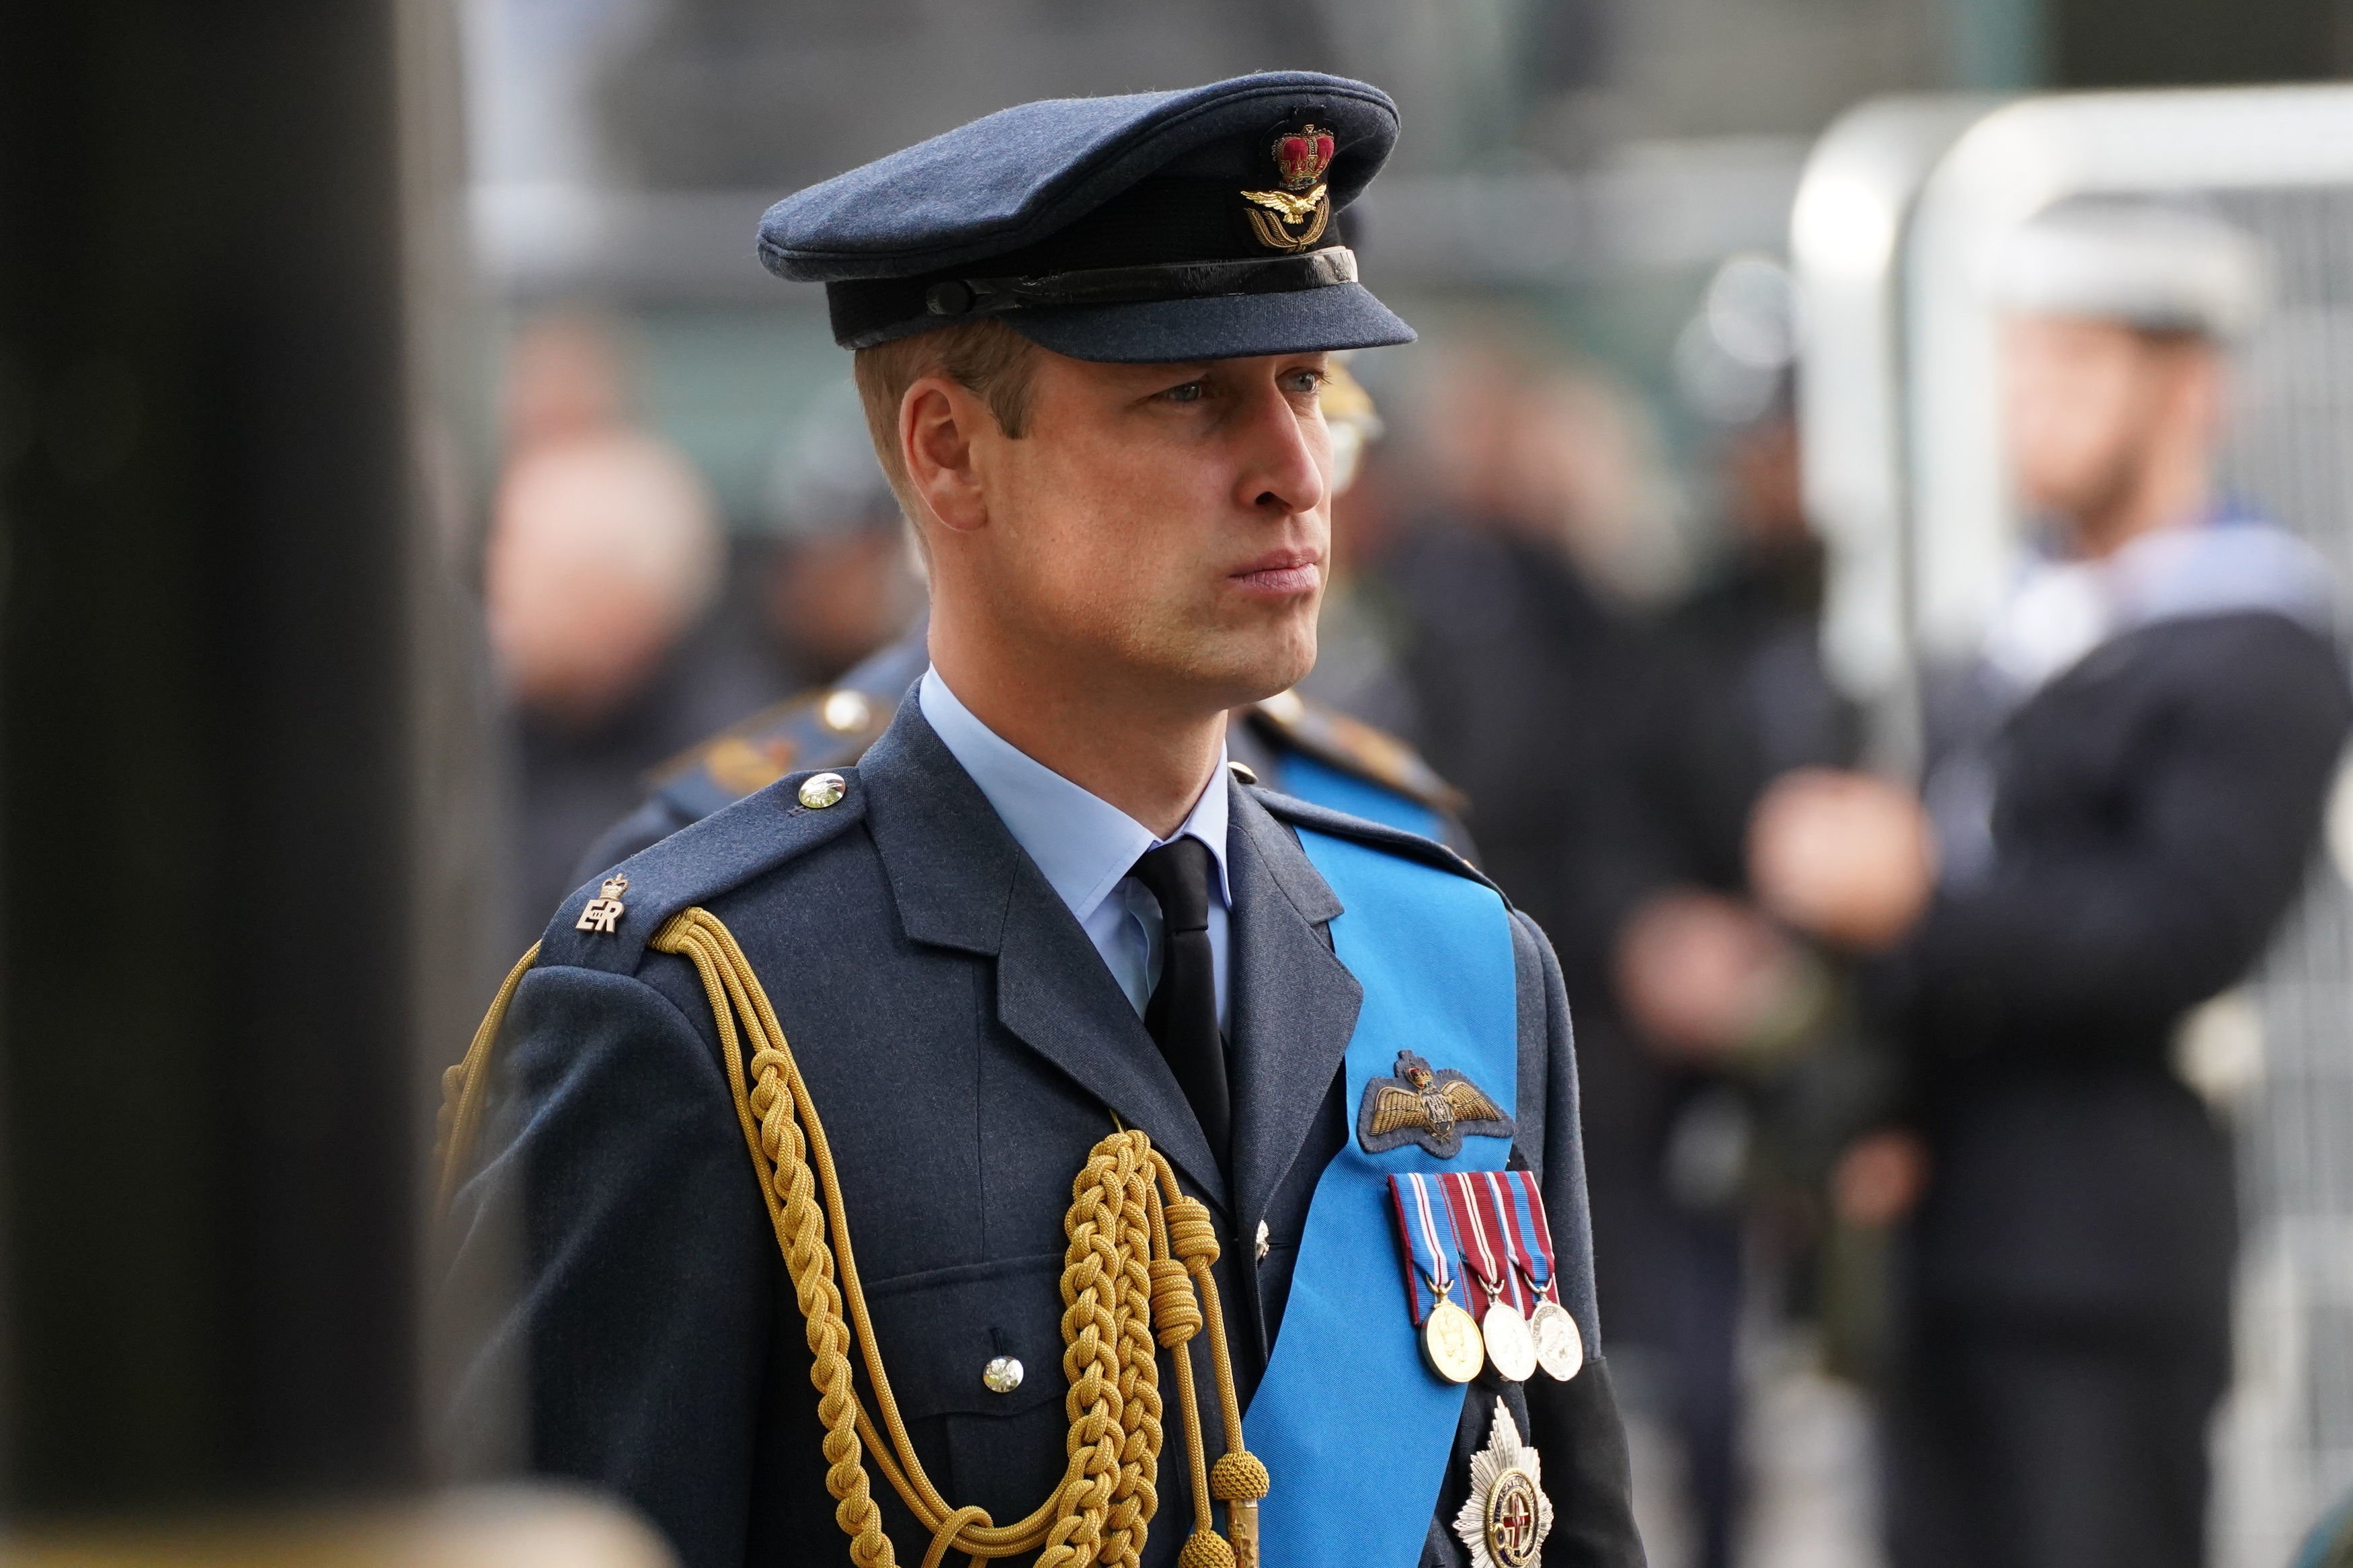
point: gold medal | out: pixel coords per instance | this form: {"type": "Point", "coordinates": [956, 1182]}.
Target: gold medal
{"type": "Point", "coordinates": [1560, 1349]}
{"type": "Point", "coordinates": [1450, 1338]}
{"type": "Point", "coordinates": [1510, 1346]}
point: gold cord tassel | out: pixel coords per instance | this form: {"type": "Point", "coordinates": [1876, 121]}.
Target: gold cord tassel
{"type": "Point", "coordinates": [1138, 1255]}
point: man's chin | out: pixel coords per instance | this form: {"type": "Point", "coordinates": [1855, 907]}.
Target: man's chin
{"type": "Point", "coordinates": [1253, 675]}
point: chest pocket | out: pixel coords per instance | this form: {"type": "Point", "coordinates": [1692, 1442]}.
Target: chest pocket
{"type": "Point", "coordinates": [944, 1336]}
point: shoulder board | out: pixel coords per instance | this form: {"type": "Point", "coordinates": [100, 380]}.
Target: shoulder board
{"type": "Point", "coordinates": [695, 864]}
{"type": "Point", "coordinates": [1379, 835]}
{"type": "Point", "coordinates": [1330, 736]}
{"type": "Point", "coordinates": [829, 728]}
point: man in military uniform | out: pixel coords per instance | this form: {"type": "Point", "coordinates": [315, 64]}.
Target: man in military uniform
{"type": "Point", "coordinates": [787, 1111]}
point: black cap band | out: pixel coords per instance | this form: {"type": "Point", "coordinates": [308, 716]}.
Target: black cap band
{"type": "Point", "coordinates": [959, 297]}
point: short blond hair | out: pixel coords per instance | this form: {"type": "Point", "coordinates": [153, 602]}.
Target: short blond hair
{"type": "Point", "coordinates": [987, 358]}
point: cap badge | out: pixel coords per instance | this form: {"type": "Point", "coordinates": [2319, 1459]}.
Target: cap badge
{"type": "Point", "coordinates": [1433, 1108]}
{"type": "Point", "coordinates": [1294, 217]}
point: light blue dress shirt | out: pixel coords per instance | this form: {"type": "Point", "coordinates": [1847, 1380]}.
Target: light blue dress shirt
{"type": "Point", "coordinates": [1085, 844]}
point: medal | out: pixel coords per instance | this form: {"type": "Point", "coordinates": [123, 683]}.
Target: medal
{"type": "Point", "coordinates": [1510, 1344]}
{"type": "Point", "coordinates": [1449, 1336]}
{"type": "Point", "coordinates": [1560, 1349]}
{"type": "Point", "coordinates": [1450, 1340]}
{"type": "Point", "coordinates": [1507, 1516]}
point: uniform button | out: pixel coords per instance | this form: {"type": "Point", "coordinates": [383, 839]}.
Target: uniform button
{"type": "Point", "coordinates": [821, 790]}
{"type": "Point", "coordinates": [1002, 1374]}
{"type": "Point", "coordinates": [1264, 1241]}
{"type": "Point", "coordinates": [1242, 771]}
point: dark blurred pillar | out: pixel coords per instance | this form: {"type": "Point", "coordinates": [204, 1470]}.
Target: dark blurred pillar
{"type": "Point", "coordinates": [2168, 43]}
{"type": "Point", "coordinates": [208, 742]}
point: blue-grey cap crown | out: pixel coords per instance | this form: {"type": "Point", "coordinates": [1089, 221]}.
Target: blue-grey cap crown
{"type": "Point", "coordinates": [1012, 178]}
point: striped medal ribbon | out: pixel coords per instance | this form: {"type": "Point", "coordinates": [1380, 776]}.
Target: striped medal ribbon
{"type": "Point", "coordinates": [1449, 1336]}
{"type": "Point", "coordinates": [1560, 1348]}
{"type": "Point", "coordinates": [1478, 1220]}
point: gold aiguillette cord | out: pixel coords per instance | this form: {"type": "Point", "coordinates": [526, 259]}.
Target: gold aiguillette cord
{"type": "Point", "coordinates": [1135, 1273]}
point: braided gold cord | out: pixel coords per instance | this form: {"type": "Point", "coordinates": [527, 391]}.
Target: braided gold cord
{"type": "Point", "coordinates": [465, 1083]}
{"type": "Point", "coordinates": [1138, 1251]}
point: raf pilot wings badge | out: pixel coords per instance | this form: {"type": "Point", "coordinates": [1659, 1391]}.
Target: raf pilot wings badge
{"type": "Point", "coordinates": [1434, 1108]}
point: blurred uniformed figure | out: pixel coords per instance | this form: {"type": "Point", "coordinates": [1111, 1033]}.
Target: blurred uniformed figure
{"type": "Point", "coordinates": [1288, 742]}
{"type": "Point", "coordinates": [1735, 1016]}
{"type": "Point", "coordinates": [838, 580]}
{"type": "Point", "coordinates": [1034, 1139]}
{"type": "Point", "coordinates": [2122, 796]}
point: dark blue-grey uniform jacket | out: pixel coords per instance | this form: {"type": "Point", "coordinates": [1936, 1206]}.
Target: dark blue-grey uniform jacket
{"type": "Point", "coordinates": [966, 1047]}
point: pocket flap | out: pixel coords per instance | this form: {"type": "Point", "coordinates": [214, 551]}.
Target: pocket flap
{"type": "Point", "coordinates": [939, 1331]}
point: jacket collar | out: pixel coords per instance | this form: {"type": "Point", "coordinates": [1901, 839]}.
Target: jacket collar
{"type": "Point", "coordinates": [1294, 1003]}
{"type": "Point", "coordinates": [960, 881]}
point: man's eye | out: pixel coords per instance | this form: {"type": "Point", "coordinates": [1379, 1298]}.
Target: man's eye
{"type": "Point", "coordinates": [1306, 382]}
{"type": "Point", "coordinates": [1191, 392]}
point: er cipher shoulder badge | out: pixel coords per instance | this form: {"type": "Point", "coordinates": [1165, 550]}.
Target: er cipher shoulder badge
{"type": "Point", "coordinates": [603, 911]}
{"type": "Point", "coordinates": [1507, 1516]}
{"type": "Point", "coordinates": [1293, 216]}
{"type": "Point", "coordinates": [1434, 1107]}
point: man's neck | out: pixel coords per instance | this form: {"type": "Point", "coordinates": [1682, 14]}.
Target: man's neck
{"type": "Point", "coordinates": [2170, 492]}
{"type": "Point", "coordinates": [1146, 755]}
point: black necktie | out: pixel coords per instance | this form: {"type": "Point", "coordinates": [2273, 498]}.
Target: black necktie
{"type": "Point", "coordinates": [1183, 1012]}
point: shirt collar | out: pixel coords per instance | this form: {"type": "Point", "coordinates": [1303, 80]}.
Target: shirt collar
{"type": "Point", "coordinates": [1082, 843]}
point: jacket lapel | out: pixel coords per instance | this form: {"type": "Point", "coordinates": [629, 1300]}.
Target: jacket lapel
{"type": "Point", "coordinates": [1294, 1005]}
{"type": "Point", "coordinates": [961, 881]}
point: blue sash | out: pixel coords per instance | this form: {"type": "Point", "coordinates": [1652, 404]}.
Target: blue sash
{"type": "Point", "coordinates": [1323, 784]}
{"type": "Point", "coordinates": [1354, 1429]}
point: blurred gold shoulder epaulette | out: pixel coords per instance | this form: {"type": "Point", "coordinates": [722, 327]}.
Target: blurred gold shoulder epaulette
{"type": "Point", "coordinates": [830, 727]}
{"type": "Point", "coordinates": [1330, 736]}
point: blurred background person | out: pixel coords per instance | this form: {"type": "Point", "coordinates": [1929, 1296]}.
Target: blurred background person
{"type": "Point", "coordinates": [2122, 797]}
{"type": "Point", "coordinates": [603, 558]}
{"type": "Point", "coordinates": [1731, 1011]}
{"type": "Point", "coordinates": [1528, 674]}
{"type": "Point", "coordinates": [837, 578]}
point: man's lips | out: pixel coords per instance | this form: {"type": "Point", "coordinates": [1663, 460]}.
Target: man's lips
{"type": "Point", "coordinates": [1279, 574]}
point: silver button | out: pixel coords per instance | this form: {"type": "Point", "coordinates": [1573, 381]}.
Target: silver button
{"type": "Point", "coordinates": [821, 790]}
{"type": "Point", "coordinates": [1263, 1242]}
{"type": "Point", "coordinates": [1001, 1375]}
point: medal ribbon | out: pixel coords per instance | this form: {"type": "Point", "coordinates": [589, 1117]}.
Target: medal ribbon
{"type": "Point", "coordinates": [1478, 1218]}
{"type": "Point", "coordinates": [1533, 1232]}
{"type": "Point", "coordinates": [1429, 1243]}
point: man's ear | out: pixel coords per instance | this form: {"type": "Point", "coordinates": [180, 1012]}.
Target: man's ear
{"type": "Point", "coordinates": [938, 422]}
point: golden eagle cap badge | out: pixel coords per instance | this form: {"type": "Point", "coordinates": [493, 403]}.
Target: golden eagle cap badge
{"type": "Point", "coordinates": [1293, 217]}
{"type": "Point", "coordinates": [1435, 1108]}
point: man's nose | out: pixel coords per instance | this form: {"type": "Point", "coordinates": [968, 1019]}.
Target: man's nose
{"type": "Point", "coordinates": [1283, 475]}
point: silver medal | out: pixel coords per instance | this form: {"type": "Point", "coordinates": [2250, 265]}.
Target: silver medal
{"type": "Point", "coordinates": [1510, 1348]}
{"type": "Point", "coordinates": [1560, 1349]}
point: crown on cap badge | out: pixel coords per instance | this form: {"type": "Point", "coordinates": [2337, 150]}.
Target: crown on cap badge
{"type": "Point", "coordinates": [1294, 217]}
